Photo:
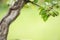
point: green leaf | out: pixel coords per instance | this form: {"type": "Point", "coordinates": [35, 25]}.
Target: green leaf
{"type": "Point", "coordinates": [35, 1]}
{"type": "Point", "coordinates": [48, 0]}
{"type": "Point", "coordinates": [44, 15]}
{"type": "Point", "coordinates": [57, 6]}
{"type": "Point", "coordinates": [55, 13]}
{"type": "Point", "coordinates": [41, 10]}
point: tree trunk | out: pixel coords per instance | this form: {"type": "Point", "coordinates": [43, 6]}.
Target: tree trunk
{"type": "Point", "coordinates": [10, 17]}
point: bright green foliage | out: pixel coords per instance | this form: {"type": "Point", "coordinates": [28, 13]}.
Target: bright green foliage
{"type": "Point", "coordinates": [35, 1]}
{"type": "Point", "coordinates": [48, 9]}
{"type": "Point", "coordinates": [54, 13]}
{"type": "Point", "coordinates": [48, 0]}
{"type": "Point", "coordinates": [44, 14]}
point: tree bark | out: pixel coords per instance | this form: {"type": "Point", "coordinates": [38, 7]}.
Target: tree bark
{"type": "Point", "coordinates": [10, 17]}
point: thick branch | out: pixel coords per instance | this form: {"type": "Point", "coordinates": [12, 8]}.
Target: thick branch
{"type": "Point", "coordinates": [10, 17]}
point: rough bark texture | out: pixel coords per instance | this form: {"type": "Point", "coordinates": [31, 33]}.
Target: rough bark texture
{"type": "Point", "coordinates": [10, 17]}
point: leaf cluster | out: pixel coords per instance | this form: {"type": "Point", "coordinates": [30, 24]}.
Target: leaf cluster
{"type": "Point", "coordinates": [49, 9]}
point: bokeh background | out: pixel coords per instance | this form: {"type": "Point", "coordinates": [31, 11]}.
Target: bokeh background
{"type": "Point", "coordinates": [30, 26]}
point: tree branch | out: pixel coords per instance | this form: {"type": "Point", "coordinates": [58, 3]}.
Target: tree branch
{"type": "Point", "coordinates": [9, 18]}
{"type": "Point", "coordinates": [34, 3]}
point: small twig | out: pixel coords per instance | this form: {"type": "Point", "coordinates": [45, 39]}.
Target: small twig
{"type": "Point", "coordinates": [34, 3]}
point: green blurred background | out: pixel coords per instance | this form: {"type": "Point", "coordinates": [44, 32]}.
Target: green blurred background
{"type": "Point", "coordinates": [30, 26]}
